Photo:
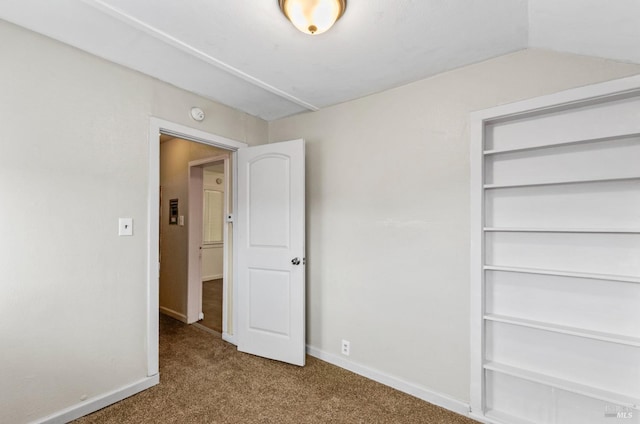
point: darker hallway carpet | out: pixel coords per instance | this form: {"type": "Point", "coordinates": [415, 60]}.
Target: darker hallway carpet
{"type": "Point", "coordinates": [212, 304]}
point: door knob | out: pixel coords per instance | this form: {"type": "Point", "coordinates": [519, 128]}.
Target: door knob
{"type": "Point", "coordinates": [295, 261]}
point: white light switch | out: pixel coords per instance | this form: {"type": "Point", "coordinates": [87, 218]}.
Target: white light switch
{"type": "Point", "coordinates": [125, 227]}
{"type": "Point", "coordinates": [181, 220]}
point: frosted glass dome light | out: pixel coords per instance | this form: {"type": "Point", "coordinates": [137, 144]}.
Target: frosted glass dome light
{"type": "Point", "coordinates": [313, 16]}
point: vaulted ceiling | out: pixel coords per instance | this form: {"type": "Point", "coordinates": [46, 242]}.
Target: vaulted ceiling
{"type": "Point", "coordinates": [245, 54]}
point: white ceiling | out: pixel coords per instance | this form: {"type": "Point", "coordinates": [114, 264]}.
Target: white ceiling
{"type": "Point", "coordinates": [245, 54]}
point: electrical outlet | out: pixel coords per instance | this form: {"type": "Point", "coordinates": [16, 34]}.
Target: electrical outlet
{"type": "Point", "coordinates": [125, 226]}
{"type": "Point", "coordinates": [346, 347]}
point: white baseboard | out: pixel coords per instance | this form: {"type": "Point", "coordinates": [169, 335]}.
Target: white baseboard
{"type": "Point", "coordinates": [173, 314]}
{"type": "Point", "coordinates": [206, 329]}
{"type": "Point", "coordinates": [425, 394]}
{"type": "Point", "coordinates": [94, 404]}
{"type": "Point", "coordinates": [230, 338]}
{"type": "Point", "coordinates": [212, 277]}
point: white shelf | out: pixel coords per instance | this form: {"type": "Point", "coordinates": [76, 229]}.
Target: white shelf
{"type": "Point", "coordinates": [591, 276]}
{"type": "Point", "coordinates": [499, 417]}
{"type": "Point", "coordinates": [566, 182]}
{"type": "Point", "coordinates": [562, 144]}
{"type": "Point", "coordinates": [563, 230]}
{"type": "Point", "coordinates": [562, 384]}
{"type": "Point", "coordinates": [573, 331]}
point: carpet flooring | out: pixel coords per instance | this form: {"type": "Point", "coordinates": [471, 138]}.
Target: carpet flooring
{"type": "Point", "coordinates": [212, 304]}
{"type": "Point", "coordinates": [206, 380]}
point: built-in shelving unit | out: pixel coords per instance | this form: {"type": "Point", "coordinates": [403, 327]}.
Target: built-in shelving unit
{"type": "Point", "coordinates": [556, 241]}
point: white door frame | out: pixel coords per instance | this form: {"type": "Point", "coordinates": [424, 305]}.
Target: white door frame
{"type": "Point", "coordinates": [159, 126]}
{"type": "Point", "coordinates": [194, 243]}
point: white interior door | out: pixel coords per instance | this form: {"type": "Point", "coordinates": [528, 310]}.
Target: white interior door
{"type": "Point", "coordinates": [271, 250]}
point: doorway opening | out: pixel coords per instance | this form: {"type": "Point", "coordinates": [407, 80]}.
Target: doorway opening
{"type": "Point", "coordinates": [157, 128]}
{"type": "Point", "coordinates": [212, 254]}
{"type": "Point", "coordinates": [195, 233]}
{"type": "Point", "coordinates": [209, 215]}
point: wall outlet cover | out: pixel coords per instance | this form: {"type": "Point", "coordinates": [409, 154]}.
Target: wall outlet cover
{"type": "Point", "coordinates": [125, 227]}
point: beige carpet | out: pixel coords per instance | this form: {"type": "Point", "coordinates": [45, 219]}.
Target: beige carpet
{"type": "Point", "coordinates": [206, 380]}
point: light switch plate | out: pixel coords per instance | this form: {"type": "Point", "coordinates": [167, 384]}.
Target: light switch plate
{"type": "Point", "coordinates": [125, 227]}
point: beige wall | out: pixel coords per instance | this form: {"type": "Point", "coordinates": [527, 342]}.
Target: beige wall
{"type": "Point", "coordinates": [388, 212]}
{"type": "Point", "coordinates": [175, 156]}
{"type": "Point", "coordinates": [74, 157]}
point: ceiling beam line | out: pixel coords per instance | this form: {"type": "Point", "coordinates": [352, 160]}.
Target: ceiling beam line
{"type": "Point", "coordinates": [187, 48]}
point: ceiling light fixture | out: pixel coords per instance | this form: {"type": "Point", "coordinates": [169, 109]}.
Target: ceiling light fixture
{"type": "Point", "coordinates": [313, 16]}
